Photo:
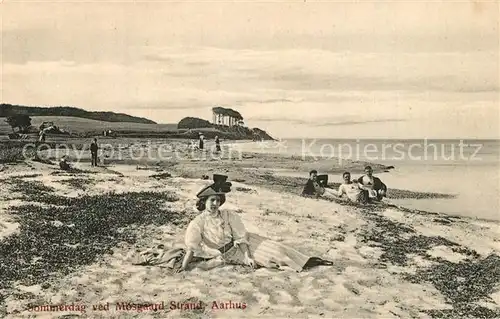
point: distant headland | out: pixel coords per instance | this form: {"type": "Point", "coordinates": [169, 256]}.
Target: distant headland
{"type": "Point", "coordinates": [226, 123]}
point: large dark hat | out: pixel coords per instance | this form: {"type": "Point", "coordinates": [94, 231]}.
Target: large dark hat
{"type": "Point", "coordinates": [322, 180]}
{"type": "Point", "coordinates": [220, 186]}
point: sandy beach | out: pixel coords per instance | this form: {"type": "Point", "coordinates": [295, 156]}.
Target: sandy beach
{"type": "Point", "coordinates": [389, 262]}
{"type": "Point", "coordinates": [149, 101]}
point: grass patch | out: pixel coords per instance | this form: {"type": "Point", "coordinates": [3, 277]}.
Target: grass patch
{"type": "Point", "coordinates": [19, 150]}
{"type": "Point", "coordinates": [57, 240]}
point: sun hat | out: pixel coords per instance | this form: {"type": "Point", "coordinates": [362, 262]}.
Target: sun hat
{"type": "Point", "coordinates": [220, 186]}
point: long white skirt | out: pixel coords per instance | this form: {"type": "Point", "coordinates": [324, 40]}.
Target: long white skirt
{"type": "Point", "coordinates": [269, 253]}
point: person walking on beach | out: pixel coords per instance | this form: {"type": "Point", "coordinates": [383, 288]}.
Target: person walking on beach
{"type": "Point", "coordinates": [225, 231]}
{"type": "Point", "coordinates": [373, 185]}
{"type": "Point", "coordinates": [93, 152]}
{"type": "Point", "coordinates": [353, 191]}
{"type": "Point", "coordinates": [217, 144]}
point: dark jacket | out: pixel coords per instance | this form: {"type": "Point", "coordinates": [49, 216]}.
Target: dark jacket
{"type": "Point", "coordinates": [64, 165]}
{"type": "Point", "coordinates": [310, 190]}
{"type": "Point", "coordinates": [377, 183]}
{"type": "Point", "coordinates": [94, 147]}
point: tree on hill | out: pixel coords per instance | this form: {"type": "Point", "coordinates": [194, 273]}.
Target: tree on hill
{"type": "Point", "coordinates": [193, 122]}
{"type": "Point", "coordinates": [21, 121]}
{"type": "Point", "coordinates": [224, 116]}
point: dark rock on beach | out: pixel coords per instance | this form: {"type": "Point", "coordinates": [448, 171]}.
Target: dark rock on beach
{"type": "Point", "coordinates": [161, 175]}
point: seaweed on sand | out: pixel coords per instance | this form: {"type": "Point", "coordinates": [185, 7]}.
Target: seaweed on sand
{"type": "Point", "coordinates": [397, 240]}
{"type": "Point", "coordinates": [72, 172]}
{"type": "Point", "coordinates": [462, 283]}
{"type": "Point", "coordinates": [406, 194]}
{"type": "Point", "coordinates": [78, 183]}
{"type": "Point", "coordinates": [36, 191]}
{"type": "Point", "coordinates": [11, 153]}
{"type": "Point", "coordinates": [280, 180]}
{"type": "Point", "coordinates": [27, 176]}
{"type": "Point", "coordinates": [42, 160]}
{"type": "Point", "coordinates": [29, 188]}
{"type": "Point", "coordinates": [161, 175]}
{"type": "Point", "coordinates": [57, 240]}
{"type": "Point", "coordinates": [245, 190]}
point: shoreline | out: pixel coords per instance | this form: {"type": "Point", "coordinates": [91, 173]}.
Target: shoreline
{"type": "Point", "coordinates": [244, 166]}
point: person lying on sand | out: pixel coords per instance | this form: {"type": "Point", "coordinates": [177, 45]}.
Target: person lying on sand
{"type": "Point", "coordinates": [352, 189]}
{"type": "Point", "coordinates": [225, 232]}
{"type": "Point", "coordinates": [315, 188]}
{"type": "Point", "coordinates": [376, 189]}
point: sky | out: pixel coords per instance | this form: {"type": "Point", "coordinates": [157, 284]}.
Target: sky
{"type": "Point", "coordinates": [374, 69]}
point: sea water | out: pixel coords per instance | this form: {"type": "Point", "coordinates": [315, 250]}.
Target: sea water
{"type": "Point", "coordinates": [469, 169]}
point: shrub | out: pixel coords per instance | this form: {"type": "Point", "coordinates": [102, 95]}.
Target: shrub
{"type": "Point", "coordinates": [193, 122]}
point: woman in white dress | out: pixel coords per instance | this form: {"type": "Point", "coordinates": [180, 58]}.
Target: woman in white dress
{"type": "Point", "coordinates": [225, 232]}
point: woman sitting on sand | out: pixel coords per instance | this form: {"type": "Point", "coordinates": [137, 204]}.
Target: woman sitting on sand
{"type": "Point", "coordinates": [225, 231]}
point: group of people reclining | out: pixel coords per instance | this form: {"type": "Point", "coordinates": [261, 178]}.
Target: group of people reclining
{"type": "Point", "coordinates": [365, 189]}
